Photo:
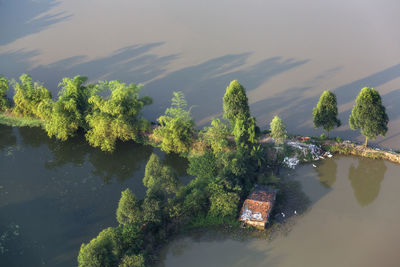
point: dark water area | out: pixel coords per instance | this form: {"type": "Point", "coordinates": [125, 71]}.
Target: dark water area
{"type": "Point", "coordinates": [56, 195]}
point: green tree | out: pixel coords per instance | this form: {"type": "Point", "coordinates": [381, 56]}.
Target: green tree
{"type": "Point", "coordinates": [71, 108]}
{"type": "Point", "coordinates": [216, 136]}
{"type": "Point", "coordinates": [99, 251]}
{"type": "Point", "coordinates": [176, 128]}
{"type": "Point", "coordinates": [235, 103]}
{"type": "Point", "coordinates": [278, 130]}
{"type": "Point", "coordinates": [326, 112]}
{"type": "Point", "coordinates": [245, 132]}
{"type": "Point", "coordinates": [132, 261]}
{"type": "Point", "coordinates": [31, 98]}
{"type": "Point", "coordinates": [203, 166]}
{"type": "Point", "coordinates": [128, 211]}
{"type": "Point", "coordinates": [224, 199]}
{"type": "Point", "coordinates": [4, 103]}
{"type": "Point", "coordinates": [369, 115]}
{"type": "Point", "coordinates": [116, 117]}
{"type": "Point", "coordinates": [158, 177]}
{"type": "Point", "coordinates": [152, 210]}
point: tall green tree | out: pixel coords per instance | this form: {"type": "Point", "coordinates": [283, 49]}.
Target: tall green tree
{"type": "Point", "coordinates": [369, 115]}
{"type": "Point", "coordinates": [128, 211]}
{"type": "Point", "coordinates": [176, 130]}
{"type": "Point", "coordinates": [116, 117]}
{"type": "Point", "coordinates": [235, 103]}
{"type": "Point", "coordinates": [4, 103]}
{"type": "Point", "coordinates": [71, 108]}
{"type": "Point", "coordinates": [31, 98]}
{"type": "Point", "coordinates": [278, 130]}
{"type": "Point", "coordinates": [326, 112]}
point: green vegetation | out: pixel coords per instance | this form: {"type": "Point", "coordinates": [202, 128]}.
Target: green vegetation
{"type": "Point", "coordinates": [235, 103]}
{"type": "Point", "coordinates": [128, 211]}
{"type": "Point", "coordinates": [31, 99]}
{"type": "Point", "coordinates": [369, 115]}
{"type": "Point", "coordinates": [278, 130]}
{"type": "Point", "coordinates": [20, 121]}
{"type": "Point", "coordinates": [117, 117]}
{"type": "Point", "coordinates": [216, 136]}
{"type": "Point", "coordinates": [176, 131]}
{"type": "Point", "coordinates": [225, 167]}
{"type": "Point", "coordinates": [69, 112]}
{"type": "Point", "coordinates": [326, 112]}
{"type": "Point", "coordinates": [4, 103]}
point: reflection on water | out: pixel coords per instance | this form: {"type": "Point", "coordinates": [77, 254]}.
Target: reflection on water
{"type": "Point", "coordinates": [366, 179]}
{"type": "Point", "coordinates": [327, 173]}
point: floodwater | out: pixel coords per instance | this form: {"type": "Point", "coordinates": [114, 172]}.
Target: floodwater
{"type": "Point", "coordinates": [353, 221]}
{"type": "Point", "coordinates": [54, 196]}
{"type": "Point", "coordinates": [284, 52]}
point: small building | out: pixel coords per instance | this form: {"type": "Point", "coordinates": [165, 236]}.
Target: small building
{"type": "Point", "coordinates": [257, 207]}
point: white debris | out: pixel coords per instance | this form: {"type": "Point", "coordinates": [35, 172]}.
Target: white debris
{"type": "Point", "coordinates": [257, 216]}
{"type": "Point", "coordinates": [248, 215]}
{"type": "Point", "coordinates": [315, 166]}
{"type": "Point", "coordinates": [291, 162]}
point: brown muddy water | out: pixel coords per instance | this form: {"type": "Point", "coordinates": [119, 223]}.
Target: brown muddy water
{"type": "Point", "coordinates": [353, 221]}
{"type": "Point", "coordinates": [54, 196]}
{"type": "Point", "coordinates": [284, 52]}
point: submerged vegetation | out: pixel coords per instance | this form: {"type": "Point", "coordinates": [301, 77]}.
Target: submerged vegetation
{"type": "Point", "coordinates": [226, 159]}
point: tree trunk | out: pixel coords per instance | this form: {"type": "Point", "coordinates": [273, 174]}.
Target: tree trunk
{"type": "Point", "coordinates": [366, 142]}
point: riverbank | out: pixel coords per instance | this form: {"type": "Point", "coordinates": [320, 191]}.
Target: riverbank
{"type": "Point", "coordinates": [10, 119]}
{"type": "Point", "coordinates": [348, 148]}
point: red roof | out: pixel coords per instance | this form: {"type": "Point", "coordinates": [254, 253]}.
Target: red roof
{"type": "Point", "coordinates": [260, 202]}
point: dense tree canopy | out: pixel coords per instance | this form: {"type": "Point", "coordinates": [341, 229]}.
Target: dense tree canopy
{"type": "Point", "coordinates": [245, 132]}
{"type": "Point", "coordinates": [278, 130]}
{"type": "Point", "coordinates": [369, 115]}
{"type": "Point", "coordinates": [325, 114]}
{"type": "Point", "coordinates": [99, 251]}
{"type": "Point", "coordinates": [69, 112]}
{"type": "Point", "coordinates": [128, 211]}
{"type": "Point", "coordinates": [216, 136]}
{"type": "Point", "coordinates": [224, 199]}
{"type": "Point", "coordinates": [113, 247]}
{"type": "Point", "coordinates": [4, 103]}
{"type": "Point", "coordinates": [176, 128]}
{"type": "Point", "coordinates": [158, 177]}
{"type": "Point", "coordinates": [116, 117]}
{"type": "Point", "coordinates": [235, 103]}
{"type": "Point", "coordinates": [31, 99]}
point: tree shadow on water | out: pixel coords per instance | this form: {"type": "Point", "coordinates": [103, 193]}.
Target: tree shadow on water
{"type": "Point", "coordinates": [295, 105]}
{"type": "Point", "coordinates": [366, 179]}
{"type": "Point", "coordinates": [205, 83]}
{"type": "Point", "coordinates": [133, 63]}
{"type": "Point", "coordinates": [20, 18]}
